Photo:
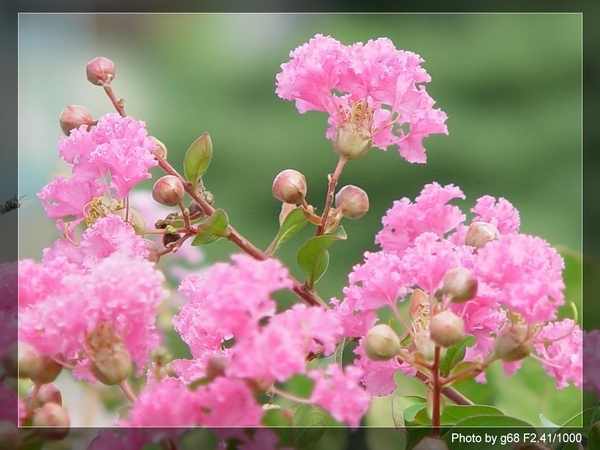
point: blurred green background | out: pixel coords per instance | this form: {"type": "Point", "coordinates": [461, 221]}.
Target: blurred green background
{"type": "Point", "coordinates": [510, 84]}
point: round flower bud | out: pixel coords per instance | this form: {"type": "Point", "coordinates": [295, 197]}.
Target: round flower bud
{"type": "Point", "coordinates": [112, 364]}
{"type": "Point", "coordinates": [513, 344]}
{"type": "Point", "coordinates": [353, 201]}
{"type": "Point", "coordinates": [289, 186]}
{"type": "Point", "coordinates": [153, 252]}
{"type": "Point", "coordinates": [446, 328]}
{"type": "Point", "coordinates": [352, 141]}
{"type": "Point", "coordinates": [39, 368]}
{"type": "Point", "coordinates": [168, 190]}
{"type": "Point", "coordinates": [100, 71]}
{"type": "Point", "coordinates": [74, 116]}
{"type": "Point", "coordinates": [430, 443]}
{"type": "Point", "coordinates": [54, 419]}
{"type": "Point", "coordinates": [460, 284]}
{"type": "Point", "coordinates": [381, 343]}
{"type": "Point", "coordinates": [135, 219]}
{"type": "Point", "coordinates": [195, 208]}
{"type": "Point", "coordinates": [47, 393]}
{"type": "Point", "coordinates": [480, 233]}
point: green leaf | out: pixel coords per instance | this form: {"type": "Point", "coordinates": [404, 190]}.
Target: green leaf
{"type": "Point", "coordinates": [548, 424]}
{"type": "Point", "coordinates": [594, 436]}
{"type": "Point", "coordinates": [452, 414]}
{"type": "Point", "coordinates": [292, 224]}
{"type": "Point", "coordinates": [401, 404]}
{"type": "Point", "coordinates": [212, 229]}
{"type": "Point", "coordinates": [334, 358]}
{"type": "Point", "coordinates": [197, 158]}
{"type": "Point", "coordinates": [455, 354]}
{"type": "Point", "coordinates": [309, 425]}
{"type": "Point", "coordinates": [313, 257]}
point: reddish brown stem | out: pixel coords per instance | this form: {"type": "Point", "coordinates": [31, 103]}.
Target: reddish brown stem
{"type": "Point", "coordinates": [234, 236]}
{"type": "Point", "coordinates": [436, 393]}
{"type": "Point", "coordinates": [118, 104]}
{"type": "Point", "coordinates": [333, 181]}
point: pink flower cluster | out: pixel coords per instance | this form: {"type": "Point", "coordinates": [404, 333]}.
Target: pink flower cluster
{"type": "Point", "coordinates": [372, 85]}
{"type": "Point", "coordinates": [242, 346]}
{"type": "Point", "coordinates": [106, 280]}
{"type": "Point", "coordinates": [107, 160]}
{"type": "Point", "coordinates": [518, 276]}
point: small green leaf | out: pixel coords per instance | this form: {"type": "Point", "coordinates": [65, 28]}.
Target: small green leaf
{"type": "Point", "coordinates": [313, 257]}
{"type": "Point", "coordinates": [455, 354]}
{"type": "Point", "coordinates": [548, 424]}
{"type": "Point", "coordinates": [212, 229]}
{"type": "Point", "coordinates": [334, 358]}
{"type": "Point", "coordinates": [401, 404]}
{"type": "Point", "coordinates": [309, 425]}
{"type": "Point", "coordinates": [291, 225]}
{"type": "Point", "coordinates": [197, 158]}
{"type": "Point", "coordinates": [452, 414]}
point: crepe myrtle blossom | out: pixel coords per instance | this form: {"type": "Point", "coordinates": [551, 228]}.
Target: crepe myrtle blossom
{"type": "Point", "coordinates": [518, 277]}
{"type": "Point", "coordinates": [371, 91]}
{"type": "Point", "coordinates": [81, 302]}
{"type": "Point", "coordinates": [107, 160]}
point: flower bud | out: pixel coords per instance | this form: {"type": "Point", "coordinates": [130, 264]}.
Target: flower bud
{"type": "Point", "coordinates": [480, 233]}
{"type": "Point", "coordinates": [446, 328]}
{"type": "Point", "coordinates": [100, 71]}
{"type": "Point", "coordinates": [39, 368]}
{"type": "Point", "coordinates": [55, 420]}
{"type": "Point", "coordinates": [168, 190]}
{"type": "Point", "coordinates": [112, 364]}
{"type": "Point", "coordinates": [48, 393]}
{"type": "Point", "coordinates": [431, 443]}
{"type": "Point", "coordinates": [381, 343]}
{"type": "Point", "coordinates": [135, 219]}
{"type": "Point", "coordinates": [170, 238]}
{"type": "Point", "coordinates": [161, 149]}
{"type": "Point", "coordinates": [195, 208]}
{"type": "Point", "coordinates": [422, 344]}
{"type": "Point", "coordinates": [460, 284]}
{"type": "Point", "coordinates": [153, 252]}
{"type": "Point", "coordinates": [352, 141]}
{"type": "Point", "coordinates": [289, 186]}
{"type": "Point", "coordinates": [73, 116]}
{"type": "Point", "coordinates": [513, 344]}
{"type": "Point", "coordinates": [353, 201]}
